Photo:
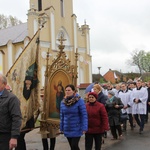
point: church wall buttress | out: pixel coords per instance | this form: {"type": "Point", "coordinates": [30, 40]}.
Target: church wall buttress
{"type": "Point", "coordinates": [52, 31]}
{"type": "Point", "coordinates": [1, 62]}
{"type": "Point", "coordinates": [10, 54]}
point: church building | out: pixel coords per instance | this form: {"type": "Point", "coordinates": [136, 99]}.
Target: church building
{"type": "Point", "coordinates": [58, 19]}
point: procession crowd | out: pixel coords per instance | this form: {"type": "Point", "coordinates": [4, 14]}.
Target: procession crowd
{"type": "Point", "coordinates": [105, 107]}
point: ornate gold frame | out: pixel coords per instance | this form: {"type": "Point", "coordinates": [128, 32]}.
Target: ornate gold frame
{"type": "Point", "coordinates": [59, 65]}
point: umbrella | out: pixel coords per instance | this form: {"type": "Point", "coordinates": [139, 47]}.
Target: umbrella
{"type": "Point", "coordinates": [89, 88]}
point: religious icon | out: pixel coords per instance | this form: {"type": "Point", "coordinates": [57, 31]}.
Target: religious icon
{"type": "Point", "coordinates": [59, 94]}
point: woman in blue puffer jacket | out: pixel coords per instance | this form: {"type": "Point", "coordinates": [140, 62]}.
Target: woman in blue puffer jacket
{"type": "Point", "coordinates": [73, 117]}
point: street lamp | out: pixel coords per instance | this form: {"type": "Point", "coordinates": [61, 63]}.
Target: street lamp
{"type": "Point", "coordinates": [99, 68]}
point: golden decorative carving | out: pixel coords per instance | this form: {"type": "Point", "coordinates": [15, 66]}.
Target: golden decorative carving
{"type": "Point", "coordinates": [59, 65]}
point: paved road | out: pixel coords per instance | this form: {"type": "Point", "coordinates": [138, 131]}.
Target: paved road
{"type": "Point", "coordinates": [33, 141]}
{"type": "Point", "coordinates": [132, 140]}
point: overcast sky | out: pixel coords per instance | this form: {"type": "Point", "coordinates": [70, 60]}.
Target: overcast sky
{"type": "Point", "coordinates": [117, 27]}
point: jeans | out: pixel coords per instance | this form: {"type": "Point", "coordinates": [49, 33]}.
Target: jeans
{"type": "Point", "coordinates": [140, 121]}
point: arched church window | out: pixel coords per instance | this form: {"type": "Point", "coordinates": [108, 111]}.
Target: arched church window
{"type": "Point", "coordinates": [39, 5]}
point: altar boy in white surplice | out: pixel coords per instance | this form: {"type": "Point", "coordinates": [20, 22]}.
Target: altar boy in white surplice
{"type": "Point", "coordinates": [139, 106]}
{"type": "Point", "coordinates": [125, 96]}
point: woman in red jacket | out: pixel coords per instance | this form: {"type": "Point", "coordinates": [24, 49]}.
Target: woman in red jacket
{"type": "Point", "coordinates": [97, 122]}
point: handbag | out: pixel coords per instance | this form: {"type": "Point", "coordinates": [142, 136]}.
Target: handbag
{"type": "Point", "coordinates": [124, 117]}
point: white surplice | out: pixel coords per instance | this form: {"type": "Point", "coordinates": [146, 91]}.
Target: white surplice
{"type": "Point", "coordinates": [125, 97]}
{"type": "Point", "coordinates": [142, 95]}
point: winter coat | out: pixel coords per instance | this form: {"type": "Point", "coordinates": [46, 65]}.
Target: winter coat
{"type": "Point", "coordinates": [97, 118]}
{"type": "Point", "coordinates": [114, 113]}
{"type": "Point", "coordinates": [148, 106]}
{"type": "Point", "coordinates": [102, 98]}
{"type": "Point", "coordinates": [148, 90]}
{"type": "Point", "coordinates": [73, 119]}
{"type": "Point", "coordinates": [10, 114]}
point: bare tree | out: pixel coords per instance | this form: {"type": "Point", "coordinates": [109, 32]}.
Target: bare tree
{"type": "Point", "coordinates": [8, 21]}
{"type": "Point", "coordinates": [136, 59]}
{"type": "Point", "coordinates": [3, 21]}
{"type": "Point", "coordinates": [140, 58]}
{"type": "Point", "coordinates": [146, 62]}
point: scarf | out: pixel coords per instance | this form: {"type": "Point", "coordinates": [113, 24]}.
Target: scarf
{"type": "Point", "coordinates": [69, 101]}
{"type": "Point", "coordinates": [111, 99]}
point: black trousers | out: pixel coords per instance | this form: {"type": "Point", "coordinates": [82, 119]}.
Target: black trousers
{"type": "Point", "coordinates": [52, 144]}
{"type": "Point", "coordinates": [21, 145]}
{"type": "Point", "coordinates": [4, 141]}
{"type": "Point", "coordinates": [146, 116]}
{"type": "Point", "coordinates": [74, 143]}
{"type": "Point", "coordinates": [89, 141]}
{"type": "Point", "coordinates": [114, 130]}
{"type": "Point", "coordinates": [131, 120]}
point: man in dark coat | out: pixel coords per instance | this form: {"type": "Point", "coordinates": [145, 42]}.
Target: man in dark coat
{"type": "Point", "coordinates": [10, 117]}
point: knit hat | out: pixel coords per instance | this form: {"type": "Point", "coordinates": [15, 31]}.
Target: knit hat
{"type": "Point", "coordinates": [111, 92]}
{"type": "Point", "coordinates": [94, 94]}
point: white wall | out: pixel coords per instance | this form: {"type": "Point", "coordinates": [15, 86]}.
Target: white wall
{"type": "Point", "coordinates": [81, 76]}
{"type": "Point", "coordinates": [43, 75]}
{"type": "Point", "coordinates": [1, 62]}
{"type": "Point", "coordinates": [90, 72]}
{"type": "Point", "coordinates": [19, 51]}
{"type": "Point", "coordinates": [75, 34]}
{"type": "Point", "coordinates": [88, 44]}
{"type": "Point", "coordinates": [10, 61]}
{"type": "Point", "coordinates": [35, 26]}
{"type": "Point", "coordinates": [52, 31]}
